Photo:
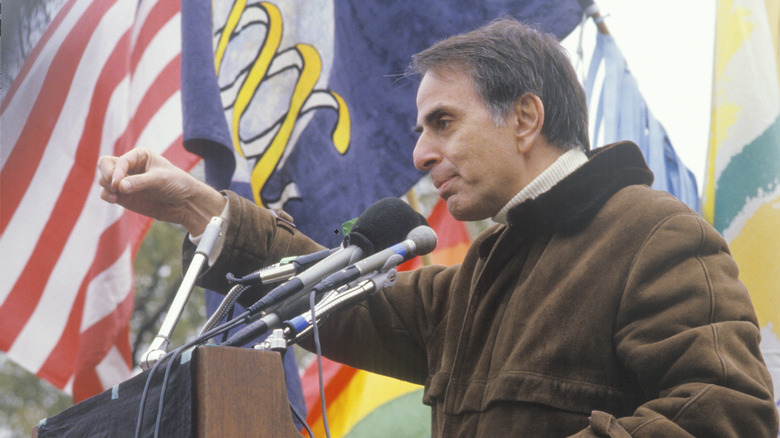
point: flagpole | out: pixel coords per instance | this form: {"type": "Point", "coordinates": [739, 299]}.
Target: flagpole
{"type": "Point", "coordinates": [593, 12]}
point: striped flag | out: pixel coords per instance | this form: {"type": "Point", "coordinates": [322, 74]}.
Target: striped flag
{"type": "Point", "coordinates": [742, 180]}
{"type": "Point", "coordinates": [103, 78]}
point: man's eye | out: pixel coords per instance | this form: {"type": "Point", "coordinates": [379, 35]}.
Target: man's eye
{"type": "Point", "coordinates": [444, 123]}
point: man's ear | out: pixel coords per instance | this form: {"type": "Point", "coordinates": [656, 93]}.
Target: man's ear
{"type": "Point", "coordinates": [529, 112]}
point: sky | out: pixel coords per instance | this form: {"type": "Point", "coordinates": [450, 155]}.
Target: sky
{"type": "Point", "coordinates": [668, 45]}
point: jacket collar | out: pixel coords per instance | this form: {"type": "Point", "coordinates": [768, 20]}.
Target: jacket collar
{"type": "Point", "coordinates": [571, 204]}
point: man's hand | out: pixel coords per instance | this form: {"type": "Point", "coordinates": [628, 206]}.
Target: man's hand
{"type": "Point", "coordinates": [146, 183]}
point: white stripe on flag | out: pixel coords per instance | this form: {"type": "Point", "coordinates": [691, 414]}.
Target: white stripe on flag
{"type": "Point", "coordinates": [164, 48]}
{"type": "Point", "coordinates": [157, 135]}
{"type": "Point", "coordinates": [107, 290]}
{"type": "Point", "coordinates": [41, 195]}
{"type": "Point", "coordinates": [112, 369]}
{"type": "Point", "coordinates": [141, 15]}
{"type": "Point", "coordinates": [157, 128]}
{"type": "Point", "coordinates": [19, 108]}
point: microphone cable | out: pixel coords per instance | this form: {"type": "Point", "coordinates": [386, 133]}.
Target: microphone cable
{"type": "Point", "coordinates": [318, 349]}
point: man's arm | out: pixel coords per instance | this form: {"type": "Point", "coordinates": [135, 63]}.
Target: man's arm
{"type": "Point", "coordinates": [687, 329]}
{"type": "Point", "coordinates": [255, 237]}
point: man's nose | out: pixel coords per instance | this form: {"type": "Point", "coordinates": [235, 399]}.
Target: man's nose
{"type": "Point", "coordinates": [426, 153]}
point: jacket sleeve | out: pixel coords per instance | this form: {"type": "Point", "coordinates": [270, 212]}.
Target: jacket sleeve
{"type": "Point", "coordinates": [686, 327]}
{"type": "Point", "coordinates": [389, 333]}
{"type": "Point", "coordinates": [254, 237]}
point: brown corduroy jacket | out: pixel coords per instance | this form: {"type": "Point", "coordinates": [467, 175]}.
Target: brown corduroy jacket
{"type": "Point", "coordinates": [604, 308]}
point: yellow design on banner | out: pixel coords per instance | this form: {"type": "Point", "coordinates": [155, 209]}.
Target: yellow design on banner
{"type": "Point", "coordinates": [269, 148]}
{"type": "Point", "coordinates": [259, 69]}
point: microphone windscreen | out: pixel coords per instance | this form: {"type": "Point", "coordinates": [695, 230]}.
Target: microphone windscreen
{"type": "Point", "coordinates": [383, 224]}
{"type": "Point", "coordinates": [424, 239]}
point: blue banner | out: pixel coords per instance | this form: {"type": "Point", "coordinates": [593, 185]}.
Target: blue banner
{"type": "Point", "coordinates": [317, 106]}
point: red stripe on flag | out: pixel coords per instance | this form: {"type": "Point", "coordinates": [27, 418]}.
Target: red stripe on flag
{"type": "Point", "coordinates": [60, 364]}
{"type": "Point", "coordinates": [36, 52]}
{"type": "Point", "coordinates": [86, 383]}
{"type": "Point", "coordinates": [128, 230]}
{"type": "Point", "coordinates": [165, 85]}
{"type": "Point", "coordinates": [76, 355]}
{"type": "Point", "coordinates": [23, 161]}
{"type": "Point", "coordinates": [180, 156]}
{"type": "Point", "coordinates": [95, 342]}
{"type": "Point", "coordinates": [29, 287]}
{"type": "Point", "coordinates": [24, 297]}
{"type": "Point", "coordinates": [335, 378]}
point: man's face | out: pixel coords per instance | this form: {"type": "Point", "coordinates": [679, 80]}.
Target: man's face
{"type": "Point", "coordinates": [474, 164]}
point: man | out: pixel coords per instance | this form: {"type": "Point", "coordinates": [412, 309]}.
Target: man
{"type": "Point", "coordinates": [596, 306]}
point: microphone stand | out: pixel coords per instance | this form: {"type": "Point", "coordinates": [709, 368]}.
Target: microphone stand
{"type": "Point", "coordinates": [159, 345]}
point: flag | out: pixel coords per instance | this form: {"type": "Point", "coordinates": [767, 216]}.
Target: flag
{"type": "Point", "coordinates": [622, 113]}
{"type": "Point", "coordinates": [742, 179]}
{"type": "Point", "coordinates": [98, 77]}
{"type": "Point", "coordinates": [362, 404]}
{"type": "Point", "coordinates": [359, 403]}
{"type": "Point", "coordinates": [319, 111]}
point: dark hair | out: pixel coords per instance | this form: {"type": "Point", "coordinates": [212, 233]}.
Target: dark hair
{"type": "Point", "coordinates": [507, 59]}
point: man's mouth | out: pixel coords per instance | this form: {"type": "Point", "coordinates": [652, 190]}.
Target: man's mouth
{"type": "Point", "coordinates": [442, 185]}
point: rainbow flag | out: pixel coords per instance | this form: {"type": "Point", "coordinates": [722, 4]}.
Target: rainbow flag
{"type": "Point", "coordinates": [361, 404]}
{"type": "Point", "coordinates": [742, 183]}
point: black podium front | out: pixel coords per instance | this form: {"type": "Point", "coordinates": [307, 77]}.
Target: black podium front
{"type": "Point", "coordinates": [211, 392]}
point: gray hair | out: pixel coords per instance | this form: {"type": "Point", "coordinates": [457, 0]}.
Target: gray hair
{"type": "Point", "coordinates": [506, 60]}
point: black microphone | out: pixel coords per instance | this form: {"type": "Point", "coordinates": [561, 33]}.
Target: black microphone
{"type": "Point", "coordinates": [385, 222]}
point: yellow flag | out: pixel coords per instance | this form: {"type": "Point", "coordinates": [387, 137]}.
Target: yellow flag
{"type": "Point", "coordinates": [742, 182]}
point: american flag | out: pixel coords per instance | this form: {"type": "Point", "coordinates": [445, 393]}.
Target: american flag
{"type": "Point", "coordinates": [103, 78]}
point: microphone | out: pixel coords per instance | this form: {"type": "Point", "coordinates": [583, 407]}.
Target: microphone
{"type": "Point", "coordinates": [300, 326]}
{"type": "Point", "coordinates": [383, 223]}
{"type": "Point", "coordinates": [286, 268]}
{"type": "Point", "coordinates": [421, 240]}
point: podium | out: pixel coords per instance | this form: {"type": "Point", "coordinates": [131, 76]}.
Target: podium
{"type": "Point", "coordinates": [211, 392]}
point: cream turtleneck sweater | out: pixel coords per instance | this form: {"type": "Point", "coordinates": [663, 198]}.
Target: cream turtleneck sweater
{"type": "Point", "coordinates": [567, 163]}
